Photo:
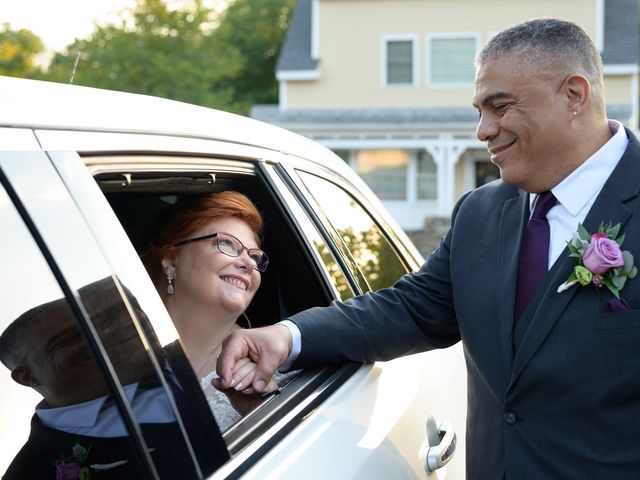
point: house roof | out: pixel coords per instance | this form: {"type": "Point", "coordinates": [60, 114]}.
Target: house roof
{"type": "Point", "coordinates": [621, 43]}
{"type": "Point", "coordinates": [379, 116]}
{"type": "Point", "coordinates": [296, 50]}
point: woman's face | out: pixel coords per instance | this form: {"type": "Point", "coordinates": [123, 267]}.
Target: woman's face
{"type": "Point", "coordinates": [208, 278]}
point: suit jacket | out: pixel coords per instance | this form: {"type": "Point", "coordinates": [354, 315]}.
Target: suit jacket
{"type": "Point", "coordinates": [557, 398]}
{"type": "Point", "coordinates": [45, 446]}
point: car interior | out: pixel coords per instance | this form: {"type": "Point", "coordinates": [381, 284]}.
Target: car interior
{"type": "Point", "coordinates": [290, 284]}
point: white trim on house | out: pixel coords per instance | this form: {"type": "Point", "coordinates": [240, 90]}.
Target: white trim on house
{"type": "Point", "coordinates": [297, 75]}
{"type": "Point", "coordinates": [384, 40]}
{"type": "Point", "coordinates": [451, 35]}
{"type": "Point", "coordinates": [599, 33]}
{"type": "Point", "coordinates": [315, 29]}
{"type": "Point", "coordinates": [633, 120]}
{"type": "Point", "coordinates": [621, 69]}
{"type": "Point", "coordinates": [282, 95]}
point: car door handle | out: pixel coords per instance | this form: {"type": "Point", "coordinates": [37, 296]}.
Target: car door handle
{"type": "Point", "coordinates": [439, 446]}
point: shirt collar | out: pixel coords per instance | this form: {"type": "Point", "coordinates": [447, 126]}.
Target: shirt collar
{"type": "Point", "coordinates": [83, 414]}
{"type": "Point", "coordinates": [586, 181]}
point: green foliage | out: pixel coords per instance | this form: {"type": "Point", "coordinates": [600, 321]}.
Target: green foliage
{"type": "Point", "coordinates": [18, 51]}
{"type": "Point", "coordinates": [257, 29]}
{"type": "Point", "coordinates": [159, 50]}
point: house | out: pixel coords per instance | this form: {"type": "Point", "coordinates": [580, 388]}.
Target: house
{"type": "Point", "coordinates": [388, 85]}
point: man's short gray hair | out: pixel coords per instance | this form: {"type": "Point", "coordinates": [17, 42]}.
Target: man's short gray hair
{"type": "Point", "coordinates": [550, 42]}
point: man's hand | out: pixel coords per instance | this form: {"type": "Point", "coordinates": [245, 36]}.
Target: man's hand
{"type": "Point", "coordinates": [268, 347]}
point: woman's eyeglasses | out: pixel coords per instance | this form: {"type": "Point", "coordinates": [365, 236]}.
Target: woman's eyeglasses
{"type": "Point", "coordinates": [231, 246]}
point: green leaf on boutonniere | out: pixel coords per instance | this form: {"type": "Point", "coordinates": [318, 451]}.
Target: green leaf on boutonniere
{"type": "Point", "coordinates": [573, 251]}
{"type": "Point", "coordinates": [620, 239]}
{"type": "Point", "coordinates": [610, 285]}
{"type": "Point", "coordinates": [612, 232]}
{"type": "Point", "coordinates": [583, 234]}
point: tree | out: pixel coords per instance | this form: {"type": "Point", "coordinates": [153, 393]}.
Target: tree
{"type": "Point", "coordinates": [180, 53]}
{"type": "Point", "coordinates": [153, 50]}
{"type": "Point", "coordinates": [18, 51]}
{"type": "Point", "coordinates": [257, 29]}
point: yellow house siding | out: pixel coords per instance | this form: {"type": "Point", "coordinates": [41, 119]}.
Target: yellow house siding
{"type": "Point", "coordinates": [351, 33]}
{"type": "Point", "coordinates": [617, 89]}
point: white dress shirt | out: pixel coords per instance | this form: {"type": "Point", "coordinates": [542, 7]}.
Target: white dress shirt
{"type": "Point", "coordinates": [575, 194]}
{"type": "Point", "coordinates": [95, 419]}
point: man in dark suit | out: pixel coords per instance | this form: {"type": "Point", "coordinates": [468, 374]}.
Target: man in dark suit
{"type": "Point", "coordinates": [553, 376]}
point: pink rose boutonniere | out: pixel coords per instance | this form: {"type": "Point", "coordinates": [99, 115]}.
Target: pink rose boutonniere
{"type": "Point", "coordinates": [600, 260]}
{"type": "Point", "coordinates": [76, 466]}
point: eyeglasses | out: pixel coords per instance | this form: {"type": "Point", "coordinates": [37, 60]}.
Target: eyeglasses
{"type": "Point", "coordinates": [231, 246]}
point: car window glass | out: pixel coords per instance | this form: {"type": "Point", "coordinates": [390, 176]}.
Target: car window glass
{"type": "Point", "coordinates": [372, 252]}
{"type": "Point", "coordinates": [48, 364]}
{"type": "Point", "coordinates": [48, 359]}
{"type": "Point", "coordinates": [333, 270]}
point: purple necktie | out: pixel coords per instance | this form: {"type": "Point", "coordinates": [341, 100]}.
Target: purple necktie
{"type": "Point", "coordinates": [534, 253]}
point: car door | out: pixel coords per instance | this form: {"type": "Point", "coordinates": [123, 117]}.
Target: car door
{"type": "Point", "coordinates": [75, 339]}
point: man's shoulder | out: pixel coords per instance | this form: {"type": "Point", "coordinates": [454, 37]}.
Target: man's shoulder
{"type": "Point", "coordinates": [490, 195]}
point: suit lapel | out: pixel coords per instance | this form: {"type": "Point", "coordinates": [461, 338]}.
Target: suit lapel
{"type": "Point", "coordinates": [515, 212]}
{"type": "Point", "coordinates": [610, 206]}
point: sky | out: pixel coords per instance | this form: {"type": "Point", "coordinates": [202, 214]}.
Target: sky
{"type": "Point", "coordinates": [59, 22]}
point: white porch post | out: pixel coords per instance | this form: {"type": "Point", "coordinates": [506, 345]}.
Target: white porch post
{"type": "Point", "coordinates": [445, 153]}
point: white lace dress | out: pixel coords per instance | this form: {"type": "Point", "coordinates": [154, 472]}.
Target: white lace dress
{"type": "Point", "coordinates": [219, 403]}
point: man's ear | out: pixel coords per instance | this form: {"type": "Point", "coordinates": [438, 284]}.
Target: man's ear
{"type": "Point", "coordinates": [578, 91]}
{"type": "Point", "coordinates": [22, 375]}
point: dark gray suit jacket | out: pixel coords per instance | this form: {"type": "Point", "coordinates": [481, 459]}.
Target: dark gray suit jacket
{"type": "Point", "coordinates": [565, 402]}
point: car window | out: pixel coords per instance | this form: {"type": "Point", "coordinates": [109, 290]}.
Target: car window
{"type": "Point", "coordinates": [102, 397]}
{"type": "Point", "coordinates": [44, 355]}
{"type": "Point", "coordinates": [327, 259]}
{"type": "Point", "coordinates": [375, 257]}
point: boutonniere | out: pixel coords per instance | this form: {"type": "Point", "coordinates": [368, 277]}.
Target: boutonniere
{"type": "Point", "coordinates": [600, 259]}
{"type": "Point", "coordinates": [76, 466]}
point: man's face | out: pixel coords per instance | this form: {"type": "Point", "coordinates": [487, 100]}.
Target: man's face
{"type": "Point", "coordinates": [61, 365]}
{"type": "Point", "coordinates": [524, 118]}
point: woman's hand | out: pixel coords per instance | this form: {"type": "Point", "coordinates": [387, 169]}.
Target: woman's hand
{"type": "Point", "coordinates": [242, 395]}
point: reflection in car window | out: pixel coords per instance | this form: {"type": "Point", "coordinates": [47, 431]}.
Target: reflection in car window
{"type": "Point", "coordinates": [58, 412]}
{"type": "Point", "coordinates": [48, 378]}
{"type": "Point", "coordinates": [336, 275]}
{"type": "Point", "coordinates": [372, 252]}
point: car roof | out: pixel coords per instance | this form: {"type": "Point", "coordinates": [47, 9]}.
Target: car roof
{"type": "Point", "coordinates": [48, 105]}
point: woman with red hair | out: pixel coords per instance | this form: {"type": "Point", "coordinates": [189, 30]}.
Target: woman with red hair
{"type": "Point", "coordinates": [205, 261]}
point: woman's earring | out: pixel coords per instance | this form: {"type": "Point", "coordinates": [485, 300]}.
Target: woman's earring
{"type": "Point", "coordinates": [170, 277]}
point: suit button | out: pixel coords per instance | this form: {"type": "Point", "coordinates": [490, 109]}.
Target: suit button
{"type": "Point", "coordinates": [510, 418]}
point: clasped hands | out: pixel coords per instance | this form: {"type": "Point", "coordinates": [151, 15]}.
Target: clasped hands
{"type": "Point", "coordinates": [249, 358]}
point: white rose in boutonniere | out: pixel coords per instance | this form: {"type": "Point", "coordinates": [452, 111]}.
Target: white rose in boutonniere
{"type": "Point", "coordinates": [600, 260]}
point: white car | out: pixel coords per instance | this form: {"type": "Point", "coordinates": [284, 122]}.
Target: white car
{"type": "Point", "coordinates": [84, 171]}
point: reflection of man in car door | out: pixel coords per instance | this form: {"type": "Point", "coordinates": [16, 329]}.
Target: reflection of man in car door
{"type": "Point", "coordinates": [44, 350]}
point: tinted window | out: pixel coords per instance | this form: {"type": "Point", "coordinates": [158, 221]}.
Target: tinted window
{"type": "Point", "coordinates": [61, 395]}
{"type": "Point", "coordinates": [374, 255]}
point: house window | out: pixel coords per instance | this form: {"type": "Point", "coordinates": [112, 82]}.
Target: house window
{"type": "Point", "coordinates": [427, 176]}
{"type": "Point", "coordinates": [399, 61]}
{"type": "Point", "coordinates": [385, 171]}
{"type": "Point", "coordinates": [451, 60]}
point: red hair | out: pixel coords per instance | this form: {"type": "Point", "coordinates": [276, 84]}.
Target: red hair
{"type": "Point", "coordinates": [187, 216]}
